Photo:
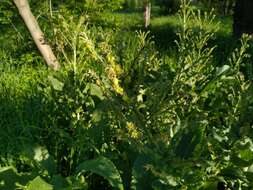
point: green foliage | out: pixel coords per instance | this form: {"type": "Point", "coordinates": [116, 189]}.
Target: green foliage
{"type": "Point", "coordinates": [39, 182]}
{"type": "Point", "coordinates": [119, 116]}
{"type": "Point", "coordinates": [9, 177]}
{"type": "Point", "coordinates": [222, 7]}
{"type": "Point", "coordinates": [6, 12]}
{"type": "Point", "coordinates": [104, 167]}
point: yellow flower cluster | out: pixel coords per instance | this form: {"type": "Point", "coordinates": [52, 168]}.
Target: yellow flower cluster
{"type": "Point", "coordinates": [114, 71]}
{"type": "Point", "coordinates": [89, 45]}
{"type": "Point", "coordinates": [117, 87]}
{"type": "Point", "coordinates": [132, 130]}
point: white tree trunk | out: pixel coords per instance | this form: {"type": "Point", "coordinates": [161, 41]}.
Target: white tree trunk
{"type": "Point", "coordinates": [147, 14]}
{"type": "Point", "coordinates": [37, 34]}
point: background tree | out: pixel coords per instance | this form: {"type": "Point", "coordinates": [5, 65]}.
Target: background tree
{"type": "Point", "coordinates": [37, 34]}
{"type": "Point", "coordinates": [243, 17]}
{"type": "Point", "coordinates": [147, 13]}
{"type": "Point", "coordinates": [222, 7]}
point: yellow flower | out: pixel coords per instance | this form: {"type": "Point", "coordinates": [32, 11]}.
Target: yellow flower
{"type": "Point", "coordinates": [135, 134]}
{"type": "Point", "coordinates": [117, 87]}
{"type": "Point", "coordinates": [115, 81]}
{"type": "Point", "coordinates": [132, 130]}
{"type": "Point", "coordinates": [110, 59]}
{"type": "Point", "coordinates": [116, 67]}
{"type": "Point", "coordinates": [113, 71]}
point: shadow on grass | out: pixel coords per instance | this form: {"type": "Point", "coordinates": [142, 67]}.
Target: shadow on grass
{"type": "Point", "coordinates": [20, 120]}
{"type": "Point", "coordinates": [224, 45]}
{"type": "Point", "coordinates": [164, 30]}
{"type": "Point", "coordinates": [164, 36]}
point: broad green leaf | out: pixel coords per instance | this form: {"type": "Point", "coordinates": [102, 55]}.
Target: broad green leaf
{"type": "Point", "coordinates": [95, 90]}
{"type": "Point", "coordinates": [142, 179]}
{"type": "Point", "coordinates": [164, 185]}
{"type": "Point", "coordinates": [57, 85]}
{"type": "Point", "coordinates": [222, 70]}
{"type": "Point", "coordinates": [59, 182]}
{"type": "Point", "coordinates": [245, 144]}
{"type": "Point", "coordinates": [241, 162]}
{"type": "Point", "coordinates": [188, 141]}
{"type": "Point", "coordinates": [246, 154]}
{"type": "Point", "coordinates": [9, 178]}
{"type": "Point", "coordinates": [219, 73]}
{"type": "Point", "coordinates": [41, 155]}
{"type": "Point", "coordinates": [76, 183]}
{"type": "Point", "coordinates": [97, 116]}
{"type": "Point", "coordinates": [103, 167]}
{"type": "Point", "coordinates": [250, 169]}
{"type": "Point", "coordinates": [243, 155]}
{"type": "Point", "coordinates": [232, 173]}
{"type": "Point", "coordinates": [209, 185]}
{"type": "Point", "coordinates": [249, 176]}
{"type": "Point", "coordinates": [39, 183]}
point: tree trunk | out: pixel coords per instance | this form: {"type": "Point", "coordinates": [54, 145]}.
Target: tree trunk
{"type": "Point", "coordinates": [147, 13]}
{"type": "Point", "coordinates": [243, 17]}
{"type": "Point", "coordinates": [37, 34]}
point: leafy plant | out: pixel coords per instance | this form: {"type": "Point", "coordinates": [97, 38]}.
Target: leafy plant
{"type": "Point", "coordinates": [117, 116]}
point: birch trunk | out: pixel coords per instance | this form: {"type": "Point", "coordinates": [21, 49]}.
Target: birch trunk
{"type": "Point", "coordinates": [37, 34]}
{"type": "Point", "coordinates": [147, 14]}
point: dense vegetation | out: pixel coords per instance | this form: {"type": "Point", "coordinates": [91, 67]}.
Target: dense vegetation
{"type": "Point", "coordinates": [168, 107]}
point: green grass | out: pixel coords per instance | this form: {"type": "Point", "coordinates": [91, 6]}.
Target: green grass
{"type": "Point", "coordinates": [164, 28]}
{"type": "Point", "coordinates": [119, 20]}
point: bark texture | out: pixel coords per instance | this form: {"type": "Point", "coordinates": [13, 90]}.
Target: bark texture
{"type": "Point", "coordinates": [243, 17]}
{"type": "Point", "coordinates": [147, 14]}
{"type": "Point", "coordinates": [37, 34]}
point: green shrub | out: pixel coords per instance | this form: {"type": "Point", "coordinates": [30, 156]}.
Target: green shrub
{"type": "Point", "coordinates": [117, 116]}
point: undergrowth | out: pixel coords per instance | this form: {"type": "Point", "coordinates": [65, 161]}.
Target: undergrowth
{"type": "Point", "coordinates": [117, 116]}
